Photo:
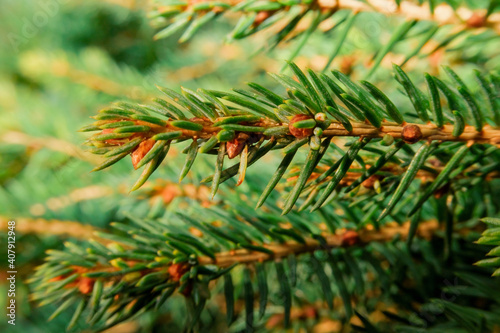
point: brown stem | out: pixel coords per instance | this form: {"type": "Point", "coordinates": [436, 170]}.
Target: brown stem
{"type": "Point", "coordinates": [429, 132]}
{"type": "Point", "coordinates": [241, 256]}
{"type": "Point", "coordinates": [343, 238]}
{"type": "Point", "coordinates": [60, 66]}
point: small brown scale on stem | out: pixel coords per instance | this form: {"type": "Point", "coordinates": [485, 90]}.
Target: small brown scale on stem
{"type": "Point", "coordinates": [176, 271]}
{"type": "Point", "coordinates": [235, 146]}
{"type": "Point", "coordinates": [411, 133]}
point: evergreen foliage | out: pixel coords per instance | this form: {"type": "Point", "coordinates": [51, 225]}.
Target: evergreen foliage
{"type": "Point", "coordinates": [352, 188]}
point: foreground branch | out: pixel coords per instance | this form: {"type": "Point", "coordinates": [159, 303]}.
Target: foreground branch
{"type": "Point", "coordinates": [142, 268]}
{"type": "Point", "coordinates": [316, 109]}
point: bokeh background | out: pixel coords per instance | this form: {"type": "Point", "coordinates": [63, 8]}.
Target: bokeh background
{"type": "Point", "coordinates": [60, 61]}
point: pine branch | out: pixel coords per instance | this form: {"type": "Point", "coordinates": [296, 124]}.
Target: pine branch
{"type": "Point", "coordinates": [316, 110]}
{"type": "Point", "coordinates": [266, 13]}
{"type": "Point", "coordinates": [108, 281]}
{"type": "Point", "coordinates": [287, 20]}
{"type": "Point", "coordinates": [353, 177]}
{"type": "Point", "coordinates": [166, 191]}
{"type": "Point", "coordinates": [75, 196]}
{"type": "Point", "coordinates": [144, 263]}
{"type": "Point", "coordinates": [377, 163]}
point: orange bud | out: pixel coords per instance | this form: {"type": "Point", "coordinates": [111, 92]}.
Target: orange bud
{"type": "Point", "coordinates": [141, 151]}
{"type": "Point", "coordinates": [176, 271]}
{"type": "Point", "coordinates": [350, 238]}
{"type": "Point", "coordinates": [476, 21]}
{"type": "Point", "coordinates": [86, 285]}
{"type": "Point", "coordinates": [300, 132]}
{"type": "Point", "coordinates": [235, 146]}
{"type": "Point", "coordinates": [370, 181]}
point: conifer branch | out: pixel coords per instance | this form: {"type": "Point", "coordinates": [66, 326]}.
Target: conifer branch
{"type": "Point", "coordinates": [141, 266]}
{"type": "Point", "coordinates": [98, 76]}
{"type": "Point", "coordinates": [78, 195]}
{"type": "Point", "coordinates": [316, 110]}
{"type": "Point", "coordinates": [256, 16]}
{"type": "Point", "coordinates": [370, 193]}
{"type": "Point", "coordinates": [105, 279]}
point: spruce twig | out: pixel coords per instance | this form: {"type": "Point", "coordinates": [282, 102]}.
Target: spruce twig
{"type": "Point", "coordinates": [316, 110]}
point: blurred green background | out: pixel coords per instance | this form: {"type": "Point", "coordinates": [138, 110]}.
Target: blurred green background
{"type": "Point", "coordinates": [60, 61]}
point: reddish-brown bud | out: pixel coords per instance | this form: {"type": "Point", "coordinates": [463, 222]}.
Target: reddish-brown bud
{"type": "Point", "coordinates": [236, 145]}
{"type": "Point", "coordinates": [411, 134]}
{"type": "Point", "coordinates": [350, 238]}
{"type": "Point", "coordinates": [86, 285]}
{"type": "Point", "coordinates": [141, 151]}
{"type": "Point", "coordinates": [300, 132]}
{"type": "Point", "coordinates": [176, 271]}
{"type": "Point", "coordinates": [261, 17]}
{"type": "Point", "coordinates": [370, 182]}
{"type": "Point", "coordinates": [476, 21]}
{"type": "Point", "coordinates": [111, 141]}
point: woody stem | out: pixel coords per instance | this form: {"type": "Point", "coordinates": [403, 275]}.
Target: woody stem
{"type": "Point", "coordinates": [429, 132]}
{"type": "Point", "coordinates": [241, 256]}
